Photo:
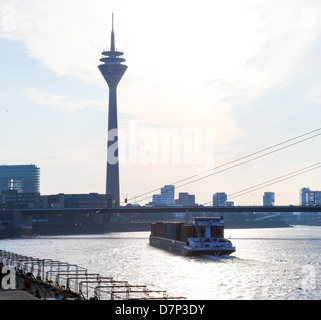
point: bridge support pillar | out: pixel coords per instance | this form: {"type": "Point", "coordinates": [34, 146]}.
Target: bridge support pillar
{"type": "Point", "coordinates": [22, 222]}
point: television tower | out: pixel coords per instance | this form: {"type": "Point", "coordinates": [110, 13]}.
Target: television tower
{"type": "Point", "coordinates": [112, 70]}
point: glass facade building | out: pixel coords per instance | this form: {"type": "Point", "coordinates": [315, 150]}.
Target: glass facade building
{"type": "Point", "coordinates": [166, 198]}
{"type": "Point", "coordinates": [185, 199]}
{"type": "Point", "coordinates": [310, 198]}
{"type": "Point", "coordinates": [268, 199]}
{"type": "Point", "coordinates": [219, 199]}
{"type": "Point", "coordinates": [22, 178]}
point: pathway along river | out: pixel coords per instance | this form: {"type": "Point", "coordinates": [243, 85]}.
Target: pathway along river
{"type": "Point", "coordinates": [281, 263]}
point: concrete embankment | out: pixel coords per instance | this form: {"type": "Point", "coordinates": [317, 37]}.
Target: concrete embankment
{"type": "Point", "coordinates": [16, 295]}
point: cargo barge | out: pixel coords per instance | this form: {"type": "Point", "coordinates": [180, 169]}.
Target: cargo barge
{"type": "Point", "coordinates": [205, 236]}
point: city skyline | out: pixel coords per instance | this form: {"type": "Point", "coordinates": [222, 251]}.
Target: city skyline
{"type": "Point", "coordinates": [230, 79]}
{"type": "Point", "coordinates": [22, 181]}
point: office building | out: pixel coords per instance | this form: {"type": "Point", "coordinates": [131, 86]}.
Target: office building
{"type": "Point", "coordinates": [219, 199]}
{"type": "Point", "coordinates": [165, 198]}
{"type": "Point", "coordinates": [185, 199]}
{"type": "Point", "coordinates": [12, 199]}
{"type": "Point", "coordinates": [22, 178]}
{"type": "Point", "coordinates": [156, 198]}
{"type": "Point", "coordinates": [167, 195]}
{"type": "Point", "coordinates": [268, 199]}
{"type": "Point", "coordinates": [61, 200]}
{"type": "Point", "coordinates": [310, 198]}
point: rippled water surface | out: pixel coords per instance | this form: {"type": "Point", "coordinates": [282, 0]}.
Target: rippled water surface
{"type": "Point", "coordinates": [283, 263]}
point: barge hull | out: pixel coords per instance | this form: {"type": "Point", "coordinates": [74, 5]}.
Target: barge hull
{"type": "Point", "coordinates": [181, 248]}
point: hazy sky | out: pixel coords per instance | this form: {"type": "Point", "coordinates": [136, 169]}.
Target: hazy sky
{"type": "Point", "coordinates": [208, 82]}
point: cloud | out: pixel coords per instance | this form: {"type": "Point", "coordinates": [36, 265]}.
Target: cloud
{"type": "Point", "coordinates": [61, 35]}
{"type": "Point", "coordinates": [60, 102]}
{"type": "Point", "coordinates": [189, 65]}
{"type": "Point", "coordinates": [175, 43]}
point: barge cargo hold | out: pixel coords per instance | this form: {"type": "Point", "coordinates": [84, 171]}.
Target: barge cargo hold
{"type": "Point", "coordinates": [205, 236]}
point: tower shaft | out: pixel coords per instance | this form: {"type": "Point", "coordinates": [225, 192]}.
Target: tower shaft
{"type": "Point", "coordinates": [112, 70]}
{"type": "Point", "coordinates": [112, 173]}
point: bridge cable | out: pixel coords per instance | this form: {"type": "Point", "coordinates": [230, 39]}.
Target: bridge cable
{"type": "Point", "coordinates": [272, 181]}
{"type": "Point", "coordinates": [236, 165]}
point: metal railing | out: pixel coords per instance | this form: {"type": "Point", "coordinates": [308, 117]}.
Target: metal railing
{"type": "Point", "coordinates": [53, 278]}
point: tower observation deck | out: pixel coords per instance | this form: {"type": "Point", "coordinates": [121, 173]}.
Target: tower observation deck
{"type": "Point", "coordinates": [112, 70]}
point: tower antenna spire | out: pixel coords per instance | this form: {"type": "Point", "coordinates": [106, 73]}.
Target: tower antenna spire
{"type": "Point", "coordinates": [112, 41]}
{"type": "Point", "coordinates": [112, 22]}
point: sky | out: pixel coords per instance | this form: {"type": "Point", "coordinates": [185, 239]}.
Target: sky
{"type": "Point", "coordinates": [208, 82]}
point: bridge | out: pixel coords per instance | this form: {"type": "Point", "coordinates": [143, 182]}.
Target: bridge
{"type": "Point", "coordinates": [42, 213]}
{"type": "Point", "coordinates": [146, 209]}
{"type": "Point", "coordinates": [128, 218]}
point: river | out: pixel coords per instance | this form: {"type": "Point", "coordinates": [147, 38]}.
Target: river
{"type": "Point", "coordinates": [280, 263]}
